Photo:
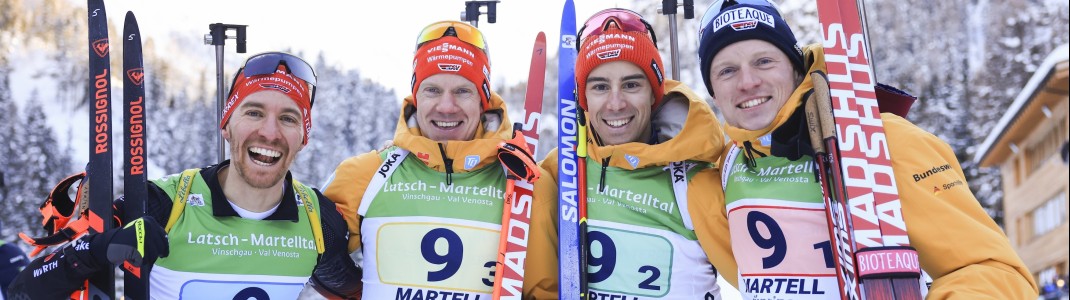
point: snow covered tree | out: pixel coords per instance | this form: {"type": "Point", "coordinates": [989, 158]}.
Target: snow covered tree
{"type": "Point", "coordinates": [351, 116]}
{"type": "Point", "coordinates": [40, 166]}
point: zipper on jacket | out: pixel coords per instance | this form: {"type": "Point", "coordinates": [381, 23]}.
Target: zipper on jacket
{"type": "Point", "coordinates": [449, 164]}
{"type": "Point", "coordinates": [602, 180]}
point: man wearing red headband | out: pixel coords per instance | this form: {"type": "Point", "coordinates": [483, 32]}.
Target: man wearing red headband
{"type": "Point", "coordinates": [651, 143]}
{"type": "Point", "coordinates": [426, 212]}
{"type": "Point", "coordinates": [238, 229]}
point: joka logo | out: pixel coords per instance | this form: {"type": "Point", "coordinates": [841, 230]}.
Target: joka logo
{"type": "Point", "coordinates": [388, 164]}
{"type": "Point", "coordinates": [745, 25]}
{"type": "Point", "coordinates": [101, 47]}
{"type": "Point", "coordinates": [609, 54]}
{"type": "Point", "coordinates": [449, 67]}
{"type": "Point", "coordinates": [471, 161]}
{"type": "Point", "coordinates": [275, 87]}
{"type": "Point", "coordinates": [136, 75]}
{"type": "Point", "coordinates": [632, 160]}
{"type": "Point", "coordinates": [679, 170]}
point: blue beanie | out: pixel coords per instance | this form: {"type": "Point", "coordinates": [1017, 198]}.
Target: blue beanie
{"type": "Point", "coordinates": [746, 22]}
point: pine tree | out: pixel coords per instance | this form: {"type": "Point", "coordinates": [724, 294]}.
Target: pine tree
{"type": "Point", "coordinates": [42, 165]}
{"type": "Point", "coordinates": [8, 154]}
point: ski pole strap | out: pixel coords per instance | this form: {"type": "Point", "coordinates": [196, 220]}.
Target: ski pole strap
{"type": "Point", "coordinates": [313, 214]}
{"type": "Point", "coordinates": [178, 204]}
{"type": "Point", "coordinates": [59, 208]}
{"type": "Point", "coordinates": [57, 212]}
{"type": "Point", "coordinates": [66, 234]}
{"type": "Point", "coordinates": [888, 262]}
{"type": "Point", "coordinates": [516, 159]}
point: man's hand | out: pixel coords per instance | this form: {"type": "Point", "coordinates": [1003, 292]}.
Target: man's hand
{"type": "Point", "coordinates": [140, 240]}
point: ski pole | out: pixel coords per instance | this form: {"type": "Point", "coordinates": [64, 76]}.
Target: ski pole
{"type": "Point", "coordinates": [217, 37]}
{"type": "Point", "coordinates": [668, 8]}
{"type": "Point", "coordinates": [471, 11]}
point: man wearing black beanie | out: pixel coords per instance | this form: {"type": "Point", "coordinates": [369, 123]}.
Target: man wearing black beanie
{"type": "Point", "coordinates": [773, 208]}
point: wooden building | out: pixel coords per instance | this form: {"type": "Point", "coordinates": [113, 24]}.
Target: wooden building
{"type": "Point", "coordinates": [1029, 145]}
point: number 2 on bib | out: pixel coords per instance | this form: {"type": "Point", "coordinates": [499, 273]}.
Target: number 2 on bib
{"type": "Point", "coordinates": [629, 262]}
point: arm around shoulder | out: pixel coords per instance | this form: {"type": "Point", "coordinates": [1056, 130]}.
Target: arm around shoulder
{"type": "Point", "coordinates": [346, 187]}
{"type": "Point", "coordinates": [707, 208]}
{"type": "Point", "coordinates": [336, 276]}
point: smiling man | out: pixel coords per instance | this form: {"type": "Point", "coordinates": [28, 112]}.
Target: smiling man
{"type": "Point", "coordinates": [238, 229]}
{"type": "Point", "coordinates": [651, 146]}
{"type": "Point", "coordinates": [426, 212]}
{"type": "Point", "coordinates": [773, 210]}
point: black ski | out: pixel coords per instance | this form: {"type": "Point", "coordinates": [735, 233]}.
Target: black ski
{"type": "Point", "coordinates": [99, 171]}
{"type": "Point", "coordinates": [135, 153]}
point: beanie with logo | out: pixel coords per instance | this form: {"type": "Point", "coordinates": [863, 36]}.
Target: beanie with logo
{"type": "Point", "coordinates": [742, 22]}
{"type": "Point", "coordinates": [615, 44]}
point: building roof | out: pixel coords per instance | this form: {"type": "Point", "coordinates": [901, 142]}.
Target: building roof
{"type": "Point", "coordinates": [1047, 86]}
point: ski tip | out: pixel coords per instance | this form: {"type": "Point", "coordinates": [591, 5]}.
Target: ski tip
{"type": "Point", "coordinates": [541, 36]}
{"type": "Point", "coordinates": [130, 16]}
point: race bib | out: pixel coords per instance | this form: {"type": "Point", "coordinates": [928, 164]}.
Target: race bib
{"type": "Point", "coordinates": [239, 290]}
{"type": "Point", "coordinates": [441, 256]}
{"type": "Point", "coordinates": [629, 262]}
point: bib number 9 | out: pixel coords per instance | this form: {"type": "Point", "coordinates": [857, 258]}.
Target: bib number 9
{"type": "Point", "coordinates": [443, 256]}
{"type": "Point", "coordinates": [450, 261]}
{"type": "Point", "coordinates": [777, 241]}
{"type": "Point", "coordinates": [628, 262]}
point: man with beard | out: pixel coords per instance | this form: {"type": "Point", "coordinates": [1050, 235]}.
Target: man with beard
{"type": "Point", "coordinates": [761, 81]}
{"type": "Point", "coordinates": [426, 212]}
{"type": "Point", "coordinates": [238, 229]}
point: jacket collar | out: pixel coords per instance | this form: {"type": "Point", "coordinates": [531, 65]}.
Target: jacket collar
{"type": "Point", "coordinates": [463, 156]}
{"type": "Point", "coordinates": [684, 128]}
{"type": "Point", "coordinates": [221, 208]}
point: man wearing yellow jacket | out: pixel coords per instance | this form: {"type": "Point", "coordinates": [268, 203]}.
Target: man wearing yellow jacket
{"type": "Point", "coordinates": [426, 213]}
{"type": "Point", "coordinates": [651, 146]}
{"type": "Point", "coordinates": [773, 210]}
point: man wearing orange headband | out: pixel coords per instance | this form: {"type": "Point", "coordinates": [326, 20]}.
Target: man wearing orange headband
{"type": "Point", "coordinates": [426, 212]}
{"type": "Point", "coordinates": [238, 229]}
{"type": "Point", "coordinates": [651, 142]}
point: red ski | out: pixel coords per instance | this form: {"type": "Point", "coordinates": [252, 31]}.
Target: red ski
{"type": "Point", "coordinates": [857, 174]}
{"type": "Point", "coordinates": [516, 215]}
